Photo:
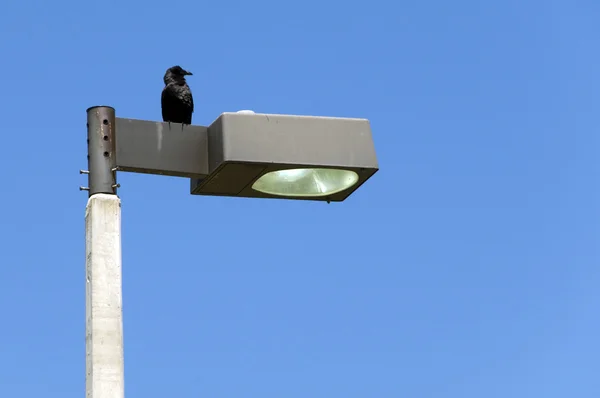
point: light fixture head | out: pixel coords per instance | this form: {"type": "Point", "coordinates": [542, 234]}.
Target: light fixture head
{"type": "Point", "coordinates": [287, 156]}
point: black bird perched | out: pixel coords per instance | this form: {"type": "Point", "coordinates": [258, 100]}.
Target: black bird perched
{"type": "Point", "coordinates": [176, 100]}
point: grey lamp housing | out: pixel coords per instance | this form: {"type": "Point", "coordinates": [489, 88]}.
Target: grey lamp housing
{"type": "Point", "coordinates": [285, 150]}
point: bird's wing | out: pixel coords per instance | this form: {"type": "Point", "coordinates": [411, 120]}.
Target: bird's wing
{"type": "Point", "coordinates": [184, 94]}
{"type": "Point", "coordinates": [186, 102]}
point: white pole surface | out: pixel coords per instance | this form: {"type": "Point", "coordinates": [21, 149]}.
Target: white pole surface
{"type": "Point", "coordinates": [103, 298]}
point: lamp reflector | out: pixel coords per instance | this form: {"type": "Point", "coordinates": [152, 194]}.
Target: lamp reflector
{"type": "Point", "coordinates": [305, 182]}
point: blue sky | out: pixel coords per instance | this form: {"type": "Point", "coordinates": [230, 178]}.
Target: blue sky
{"type": "Point", "coordinates": [467, 267]}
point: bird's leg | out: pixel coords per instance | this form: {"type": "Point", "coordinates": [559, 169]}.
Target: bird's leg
{"type": "Point", "coordinates": [169, 125]}
{"type": "Point", "coordinates": [182, 124]}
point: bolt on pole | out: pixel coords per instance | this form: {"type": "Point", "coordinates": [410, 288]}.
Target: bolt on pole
{"type": "Point", "coordinates": [102, 154]}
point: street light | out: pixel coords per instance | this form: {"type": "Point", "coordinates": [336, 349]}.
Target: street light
{"type": "Point", "coordinates": [254, 155]}
{"type": "Point", "coordinates": [242, 154]}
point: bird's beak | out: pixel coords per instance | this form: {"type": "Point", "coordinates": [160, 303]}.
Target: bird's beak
{"type": "Point", "coordinates": [188, 73]}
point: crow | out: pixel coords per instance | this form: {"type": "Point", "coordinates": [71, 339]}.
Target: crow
{"type": "Point", "coordinates": [176, 100]}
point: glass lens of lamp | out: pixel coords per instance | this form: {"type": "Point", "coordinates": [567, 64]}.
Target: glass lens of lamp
{"type": "Point", "coordinates": [305, 182]}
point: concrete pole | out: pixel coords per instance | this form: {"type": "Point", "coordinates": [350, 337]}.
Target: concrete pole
{"type": "Point", "coordinates": [103, 288]}
{"type": "Point", "coordinates": [103, 298]}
